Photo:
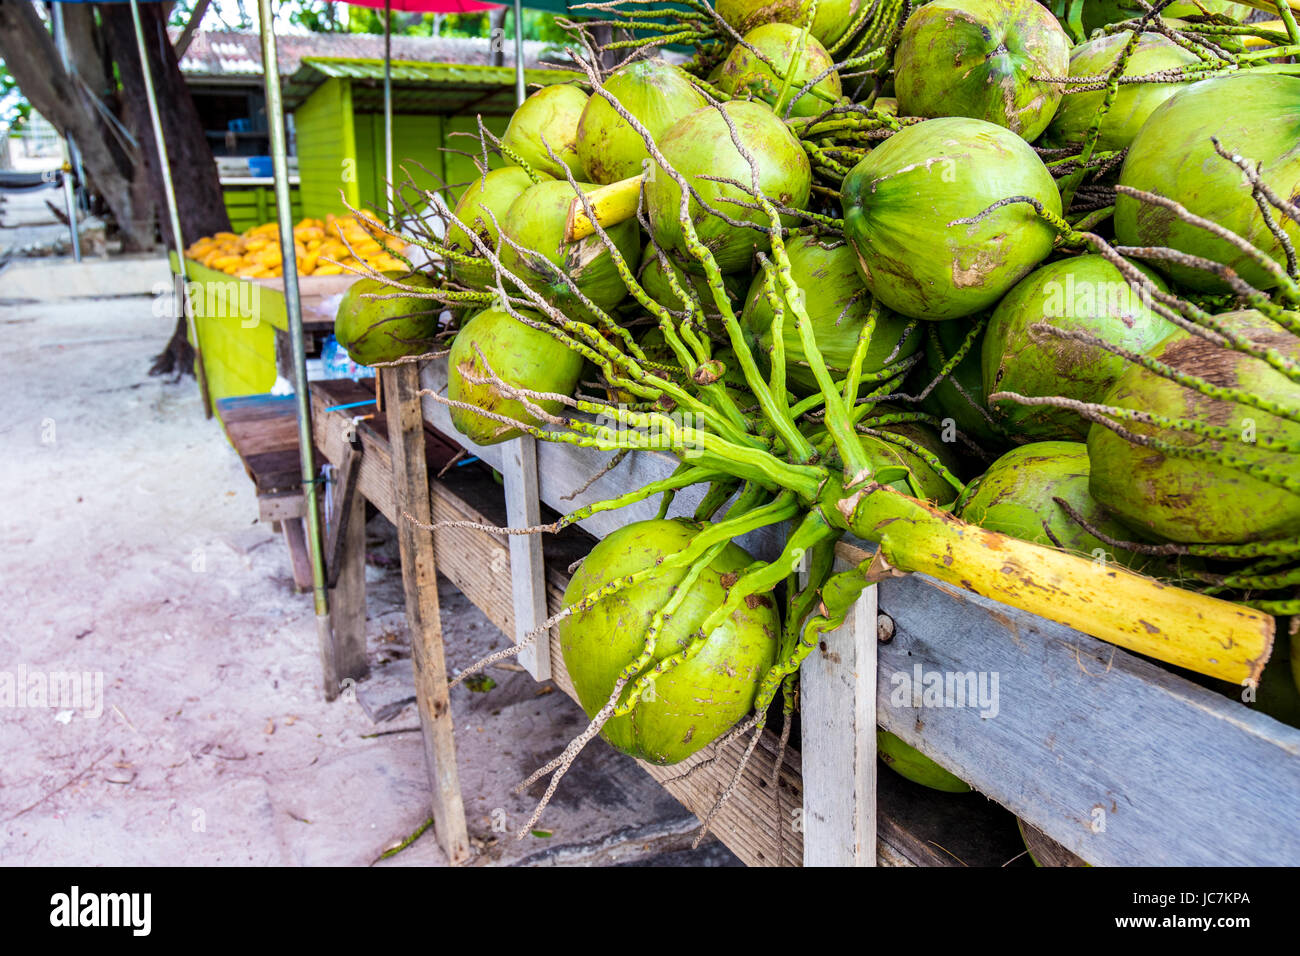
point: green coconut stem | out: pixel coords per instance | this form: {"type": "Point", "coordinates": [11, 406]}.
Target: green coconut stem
{"type": "Point", "coordinates": [1094, 128]}
{"type": "Point", "coordinates": [1180, 627]}
{"type": "Point", "coordinates": [920, 451]}
{"type": "Point", "coordinates": [860, 349]}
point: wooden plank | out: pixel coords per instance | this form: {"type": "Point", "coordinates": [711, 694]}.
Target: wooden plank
{"type": "Point", "coordinates": [295, 536]}
{"type": "Point", "coordinates": [1118, 760]}
{"type": "Point", "coordinates": [838, 699]}
{"type": "Point", "coordinates": [281, 506]}
{"type": "Point", "coordinates": [419, 578]}
{"type": "Point", "coordinates": [347, 596]}
{"type": "Point", "coordinates": [343, 492]}
{"type": "Point", "coordinates": [527, 575]}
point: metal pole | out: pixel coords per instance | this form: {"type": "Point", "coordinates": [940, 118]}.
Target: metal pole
{"type": "Point", "coordinates": [293, 307]}
{"type": "Point", "coordinates": [169, 192]}
{"type": "Point", "coordinates": [388, 109]}
{"type": "Point", "coordinates": [521, 92]}
{"type": "Point", "coordinates": [69, 150]}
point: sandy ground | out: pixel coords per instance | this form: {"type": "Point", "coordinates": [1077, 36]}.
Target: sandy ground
{"type": "Point", "coordinates": [130, 553]}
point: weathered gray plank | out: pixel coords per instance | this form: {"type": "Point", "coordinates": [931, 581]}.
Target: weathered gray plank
{"type": "Point", "coordinates": [527, 572]}
{"type": "Point", "coordinates": [838, 700]}
{"type": "Point", "coordinates": [1118, 760]}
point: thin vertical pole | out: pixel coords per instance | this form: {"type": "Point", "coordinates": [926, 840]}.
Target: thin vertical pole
{"type": "Point", "coordinates": [521, 92]}
{"type": "Point", "coordinates": [293, 307]}
{"type": "Point", "coordinates": [388, 109]}
{"type": "Point", "coordinates": [169, 193]}
{"type": "Point", "coordinates": [69, 148]}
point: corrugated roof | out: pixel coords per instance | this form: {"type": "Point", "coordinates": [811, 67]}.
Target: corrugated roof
{"type": "Point", "coordinates": [233, 54]}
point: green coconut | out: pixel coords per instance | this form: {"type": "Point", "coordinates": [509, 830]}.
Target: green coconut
{"type": "Point", "coordinates": [483, 207]}
{"type": "Point", "coordinates": [536, 222]}
{"type": "Point", "coordinates": [959, 398]}
{"type": "Point", "coordinates": [838, 304]}
{"type": "Point", "coordinates": [1133, 102]}
{"type": "Point", "coordinates": [986, 59]}
{"type": "Point", "coordinates": [552, 115]}
{"type": "Point", "coordinates": [830, 21]}
{"type": "Point", "coordinates": [1084, 294]}
{"type": "Point", "coordinates": [1254, 115]}
{"type": "Point", "coordinates": [519, 355]}
{"type": "Point", "coordinates": [383, 330]}
{"type": "Point", "coordinates": [901, 200]}
{"type": "Point", "coordinates": [797, 60]}
{"type": "Point", "coordinates": [701, 145]}
{"type": "Point", "coordinates": [701, 698]}
{"type": "Point", "coordinates": [1016, 497]}
{"type": "Point", "coordinates": [657, 94]}
{"type": "Point", "coordinates": [1200, 501]}
{"type": "Point", "coordinates": [908, 762]}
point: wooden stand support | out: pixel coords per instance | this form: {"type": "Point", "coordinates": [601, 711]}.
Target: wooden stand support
{"type": "Point", "coordinates": [419, 578]}
{"type": "Point", "coordinates": [838, 694]}
{"type": "Point", "coordinates": [526, 570]}
{"type": "Point", "coordinates": [345, 556]}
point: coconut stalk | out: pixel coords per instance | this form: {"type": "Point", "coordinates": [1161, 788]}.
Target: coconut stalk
{"type": "Point", "coordinates": [608, 205]}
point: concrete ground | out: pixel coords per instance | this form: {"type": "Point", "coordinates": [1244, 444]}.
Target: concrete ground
{"type": "Point", "coordinates": [130, 554]}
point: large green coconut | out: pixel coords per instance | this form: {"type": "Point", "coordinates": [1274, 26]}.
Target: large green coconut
{"type": "Point", "coordinates": [551, 114]}
{"type": "Point", "coordinates": [838, 304]}
{"type": "Point", "coordinates": [701, 698]}
{"type": "Point", "coordinates": [536, 222]}
{"type": "Point", "coordinates": [482, 208]}
{"type": "Point", "coordinates": [519, 355]}
{"type": "Point", "coordinates": [1084, 294]}
{"type": "Point", "coordinates": [1133, 102]}
{"type": "Point", "coordinates": [1016, 497]}
{"type": "Point", "coordinates": [700, 145]}
{"type": "Point", "coordinates": [797, 60]}
{"type": "Point", "coordinates": [1190, 500]}
{"type": "Point", "coordinates": [657, 94]}
{"type": "Point", "coordinates": [830, 21]}
{"type": "Point", "coordinates": [900, 203]}
{"type": "Point", "coordinates": [910, 763]}
{"type": "Point", "coordinates": [986, 59]}
{"type": "Point", "coordinates": [383, 330]}
{"type": "Point", "coordinates": [1254, 115]}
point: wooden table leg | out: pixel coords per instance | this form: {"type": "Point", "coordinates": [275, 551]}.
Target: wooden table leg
{"type": "Point", "coordinates": [838, 697]}
{"type": "Point", "coordinates": [347, 597]}
{"type": "Point", "coordinates": [419, 578]}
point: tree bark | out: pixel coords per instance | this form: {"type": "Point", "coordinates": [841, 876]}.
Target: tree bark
{"type": "Point", "coordinates": [29, 52]}
{"type": "Point", "coordinates": [200, 205]}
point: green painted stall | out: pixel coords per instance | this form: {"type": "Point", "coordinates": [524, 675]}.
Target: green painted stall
{"type": "Point", "coordinates": [338, 117]}
{"type": "Point", "coordinates": [252, 205]}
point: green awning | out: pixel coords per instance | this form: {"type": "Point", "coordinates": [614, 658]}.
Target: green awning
{"type": "Point", "coordinates": [443, 89]}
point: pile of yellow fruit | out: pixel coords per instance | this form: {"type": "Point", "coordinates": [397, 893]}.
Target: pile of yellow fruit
{"type": "Point", "coordinates": [256, 254]}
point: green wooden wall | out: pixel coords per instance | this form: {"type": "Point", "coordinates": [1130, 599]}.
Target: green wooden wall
{"type": "Point", "coordinates": [327, 151]}
{"type": "Point", "coordinates": [329, 133]}
{"type": "Point", "coordinates": [250, 206]}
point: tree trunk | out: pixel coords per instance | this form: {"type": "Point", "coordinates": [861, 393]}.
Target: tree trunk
{"type": "Point", "coordinates": [29, 52]}
{"type": "Point", "coordinates": [201, 208]}
{"type": "Point", "coordinates": [200, 205]}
